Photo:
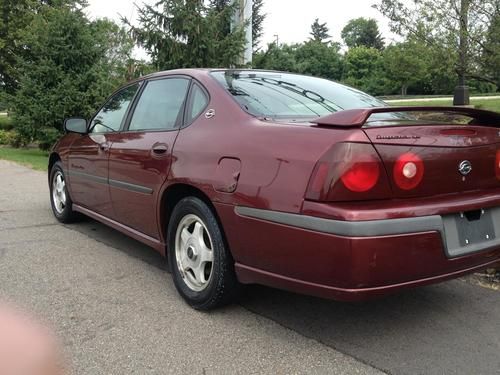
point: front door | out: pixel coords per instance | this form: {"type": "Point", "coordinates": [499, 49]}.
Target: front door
{"type": "Point", "coordinates": [140, 156]}
{"type": "Point", "coordinates": [88, 156]}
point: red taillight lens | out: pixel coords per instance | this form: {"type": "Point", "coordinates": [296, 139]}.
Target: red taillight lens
{"type": "Point", "coordinates": [408, 171]}
{"type": "Point", "coordinates": [362, 175]}
{"type": "Point", "coordinates": [348, 172]}
{"type": "Point", "coordinates": [497, 165]}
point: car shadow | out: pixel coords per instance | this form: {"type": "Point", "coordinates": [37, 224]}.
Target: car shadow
{"type": "Point", "coordinates": [119, 241]}
{"type": "Point", "coordinates": [453, 327]}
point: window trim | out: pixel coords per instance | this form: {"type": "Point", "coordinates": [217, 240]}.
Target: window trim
{"type": "Point", "coordinates": [189, 103]}
{"type": "Point", "coordinates": [111, 97]}
{"type": "Point", "coordinates": [179, 122]}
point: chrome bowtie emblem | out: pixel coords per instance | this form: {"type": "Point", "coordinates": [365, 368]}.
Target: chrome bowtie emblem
{"type": "Point", "coordinates": [465, 167]}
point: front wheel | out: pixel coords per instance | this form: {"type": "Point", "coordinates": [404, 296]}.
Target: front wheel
{"type": "Point", "coordinates": [202, 267]}
{"type": "Point", "coordinates": [61, 203]}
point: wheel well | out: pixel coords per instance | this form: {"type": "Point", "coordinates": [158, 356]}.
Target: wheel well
{"type": "Point", "coordinates": [54, 157]}
{"type": "Point", "coordinates": [175, 193]}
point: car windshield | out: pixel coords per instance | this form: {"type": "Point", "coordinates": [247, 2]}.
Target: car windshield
{"type": "Point", "coordinates": [290, 96]}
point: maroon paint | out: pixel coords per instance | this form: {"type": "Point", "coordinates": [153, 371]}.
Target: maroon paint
{"type": "Point", "coordinates": [269, 166]}
{"type": "Point", "coordinates": [89, 154]}
{"type": "Point", "coordinates": [144, 159]}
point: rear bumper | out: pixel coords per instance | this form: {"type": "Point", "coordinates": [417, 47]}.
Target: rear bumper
{"type": "Point", "coordinates": [346, 260]}
{"type": "Point", "coordinates": [248, 275]}
{"type": "Point", "coordinates": [444, 225]}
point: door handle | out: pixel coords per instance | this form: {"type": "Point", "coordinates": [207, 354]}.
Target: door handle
{"type": "Point", "coordinates": [160, 149]}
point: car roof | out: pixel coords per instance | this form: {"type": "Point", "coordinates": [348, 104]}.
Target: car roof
{"type": "Point", "coordinates": [195, 71]}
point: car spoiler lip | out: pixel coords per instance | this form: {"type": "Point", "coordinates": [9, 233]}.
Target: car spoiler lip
{"type": "Point", "coordinates": [359, 116]}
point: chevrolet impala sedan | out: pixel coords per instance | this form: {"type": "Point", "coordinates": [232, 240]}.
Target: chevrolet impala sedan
{"type": "Point", "coordinates": [295, 182]}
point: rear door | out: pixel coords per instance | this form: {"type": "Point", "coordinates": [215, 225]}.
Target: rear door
{"type": "Point", "coordinates": [88, 156]}
{"type": "Point", "coordinates": [141, 155]}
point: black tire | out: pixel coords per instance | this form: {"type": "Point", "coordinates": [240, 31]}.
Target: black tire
{"type": "Point", "coordinates": [65, 213]}
{"type": "Point", "coordinates": [222, 286]}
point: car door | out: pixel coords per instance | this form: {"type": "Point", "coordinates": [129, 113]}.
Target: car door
{"type": "Point", "coordinates": [141, 156]}
{"type": "Point", "coordinates": [89, 154]}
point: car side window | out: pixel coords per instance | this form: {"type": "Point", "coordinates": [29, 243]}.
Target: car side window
{"type": "Point", "coordinates": [111, 116]}
{"type": "Point", "coordinates": [198, 101]}
{"type": "Point", "coordinates": [160, 105]}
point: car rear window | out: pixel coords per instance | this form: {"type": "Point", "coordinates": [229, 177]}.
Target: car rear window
{"type": "Point", "coordinates": [284, 95]}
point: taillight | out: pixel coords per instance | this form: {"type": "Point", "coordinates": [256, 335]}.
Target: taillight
{"type": "Point", "coordinates": [408, 171]}
{"type": "Point", "coordinates": [348, 171]}
{"type": "Point", "coordinates": [362, 175]}
{"type": "Point", "coordinates": [497, 165]}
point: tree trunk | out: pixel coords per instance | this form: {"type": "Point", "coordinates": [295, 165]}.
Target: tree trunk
{"type": "Point", "coordinates": [462, 91]}
{"type": "Point", "coordinates": [404, 90]}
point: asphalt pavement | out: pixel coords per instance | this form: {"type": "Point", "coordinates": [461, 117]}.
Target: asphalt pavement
{"type": "Point", "coordinates": [116, 310]}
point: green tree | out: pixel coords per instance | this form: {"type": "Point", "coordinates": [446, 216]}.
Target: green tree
{"type": "Point", "coordinates": [463, 30]}
{"type": "Point", "coordinates": [65, 72]}
{"type": "Point", "coordinates": [258, 18]}
{"type": "Point", "coordinates": [188, 33]}
{"type": "Point", "coordinates": [363, 69]}
{"type": "Point", "coordinates": [405, 64]}
{"type": "Point", "coordinates": [319, 32]}
{"type": "Point", "coordinates": [319, 59]}
{"type": "Point", "coordinates": [283, 57]}
{"type": "Point", "coordinates": [15, 16]}
{"type": "Point", "coordinates": [491, 50]}
{"type": "Point", "coordinates": [362, 32]}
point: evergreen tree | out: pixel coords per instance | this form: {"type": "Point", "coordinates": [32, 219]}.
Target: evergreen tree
{"type": "Point", "coordinates": [257, 23]}
{"type": "Point", "coordinates": [319, 32]}
{"type": "Point", "coordinates": [15, 17]}
{"type": "Point", "coordinates": [70, 66]}
{"type": "Point", "coordinates": [188, 33]}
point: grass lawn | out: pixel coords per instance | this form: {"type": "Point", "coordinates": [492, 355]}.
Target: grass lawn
{"type": "Point", "coordinates": [491, 104]}
{"type": "Point", "coordinates": [32, 158]}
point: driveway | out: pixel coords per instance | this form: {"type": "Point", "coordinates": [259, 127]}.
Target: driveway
{"type": "Point", "coordinates": [116, 310]}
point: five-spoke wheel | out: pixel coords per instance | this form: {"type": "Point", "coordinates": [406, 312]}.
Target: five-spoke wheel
{"type": "Point", "coordinates": [193, 252]}
{"type": "Point", "coordinates": [202, 266]}
{"type": "Point", "coordinates": [59, 192]}
{"type": "Point", "coordinates": [61, 203]}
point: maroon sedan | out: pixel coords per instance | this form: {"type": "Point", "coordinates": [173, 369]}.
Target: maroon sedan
{"type": "Point", "coordinates": [295, 182]}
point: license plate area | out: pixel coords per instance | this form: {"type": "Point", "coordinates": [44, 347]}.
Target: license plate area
{"type": "Point", "coordinates": [472, 231]}
{"type": "Point", "coordinates": [474, 227]}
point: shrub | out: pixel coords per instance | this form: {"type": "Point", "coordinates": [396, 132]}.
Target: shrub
{"type": "Point", "coordinates": [10, 137]}
{"type": "Point", "coordinates": [47, 138]}
{"type": "Point", "coordinates": [6, 123]}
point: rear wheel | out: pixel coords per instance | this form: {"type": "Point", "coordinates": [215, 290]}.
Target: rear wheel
{"type": "Point", "coordinates": [202, 267]}
{"type": "Point", "coordinates": [59, 197]}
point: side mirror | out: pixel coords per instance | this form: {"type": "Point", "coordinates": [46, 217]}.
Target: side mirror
{"type": "Point", "coordinates": [75, 125]}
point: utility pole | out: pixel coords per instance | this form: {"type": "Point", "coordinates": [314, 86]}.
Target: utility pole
{"type": "Point", "coordinates": [277, 40]}
{"type": "Point", "coordinates": [243, 17]}
{"type": "Point", "coordinates": [462, 95]}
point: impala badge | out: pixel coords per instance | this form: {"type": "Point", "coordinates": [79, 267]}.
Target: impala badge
{"type": "Point", "coordinates": [465, 167]}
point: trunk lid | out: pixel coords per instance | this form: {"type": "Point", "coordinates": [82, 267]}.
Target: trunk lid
{"type": "Point", "coordinates": [455, 158]}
